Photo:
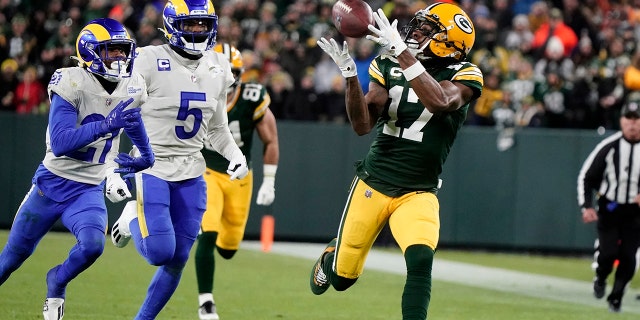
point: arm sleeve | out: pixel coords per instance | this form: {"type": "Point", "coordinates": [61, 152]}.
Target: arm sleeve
{"type": "Point", "coordinates": [64, 135]}
{"type": "Point", "coordinates": [140, 139]}
{"type": "Point", "coordinates": [590, 177]}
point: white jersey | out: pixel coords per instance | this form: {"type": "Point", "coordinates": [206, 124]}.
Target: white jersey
{"type": "Point", "coordinates": [93, 103]}
{"type": "Point", "coordinates": [187, 101]}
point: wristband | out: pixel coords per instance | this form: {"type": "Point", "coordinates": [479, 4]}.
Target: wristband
{"type": "Point", "coordinates": [269, 170]}
{"type": "Point", "coordinates": [413, 71]}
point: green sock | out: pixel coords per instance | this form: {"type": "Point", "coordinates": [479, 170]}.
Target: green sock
{"type": "Point", "coordinates": [417, 289]}
{"type": "Point", "coordinates": [205, 262]}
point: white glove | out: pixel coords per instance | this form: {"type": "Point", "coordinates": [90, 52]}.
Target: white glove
{"type": "Point", "coordinates": [267, 192]}
{"type": "Point", "coordinates": [116, 189]}
{"type": "Point", "coordinates": [237, 166]}
{"type": "Point", "coordinates": [388, 36]}
{"type": "Point", "coordinates": [340, 56]}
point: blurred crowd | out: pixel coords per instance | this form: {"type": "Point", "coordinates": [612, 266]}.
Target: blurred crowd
{"type": "Point", "coordinates": [557, 64]}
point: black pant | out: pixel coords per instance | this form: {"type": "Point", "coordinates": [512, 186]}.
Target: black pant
{"type": "Point", "coordinates": [619, 236]}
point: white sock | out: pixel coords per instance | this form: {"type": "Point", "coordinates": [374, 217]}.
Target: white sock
{"type": "Point", "coordinates": [204, 297]}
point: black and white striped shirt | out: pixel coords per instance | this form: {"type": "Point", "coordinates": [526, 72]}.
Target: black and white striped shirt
{"type": "Point", "coordinates": [613, 169]}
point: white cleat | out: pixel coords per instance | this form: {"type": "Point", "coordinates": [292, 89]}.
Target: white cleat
{"type": "Point", "coordinates": [207, 311]}
{"type": "Point", "coordinates": [53, 309]}
{"type": "Point", "coordinates": [120, 232]}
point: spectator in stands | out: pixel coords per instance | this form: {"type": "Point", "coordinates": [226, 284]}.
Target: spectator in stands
{"type": "Point", "coordinates": [553, 93]}
{"type": "Point", "coordinates": [554, 27]}
{"type": "Point", "coordinates": [365, 52]}
{"type": "Point", "coordinates": [502, 112]}
{"type": "Point", "coordinates": [522, 83]}
{"type": "Point", "coordinates": [303, 103]}
{"type": "Point", "coordinates": [59, 48]}
{"type": "Point", "coordinates": [8, 75]}
{"type": "Point", "coordinates": [519, 36]}
{"type": "Point", "coordinates": [244, 24]}
{"type": "Point", "coordinates": [30, 94]}
{"type": "Point", "coordinates": [583, 98]}
{"type": "Point", "coordinates": [609, 83]}
{"type": "Point", "coordinates": [631, 76]}
{"type": "Point", "coordinates": [530, 114]}
{"type": "Point", "coordinates": [554, 60]}
{"type": "Point", "coordinates": [279, 86]}
{"type": "Point", "coordinates": [20, 42]}
{"type": "Point", "coordinates": [292, 56]}
{"type": "Point", "coordinates": [148, 34]}
{"type": "Point", "coordinates": [491, 93]}
{"type": "Point", "coordinates": [334, 109]}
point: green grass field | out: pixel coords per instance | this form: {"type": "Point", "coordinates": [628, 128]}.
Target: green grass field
{"type": "Point", "coordinates": [256, 285]}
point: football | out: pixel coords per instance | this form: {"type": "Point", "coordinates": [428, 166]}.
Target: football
{"type": "Point", "coordinates": [352, 17]}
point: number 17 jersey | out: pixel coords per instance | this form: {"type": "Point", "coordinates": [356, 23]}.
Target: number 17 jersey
{"type": "Point", "coordinates": [411, 143]}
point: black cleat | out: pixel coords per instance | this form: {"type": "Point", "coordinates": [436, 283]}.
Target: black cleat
{"type": "Point", "coordinates": [599, 287]}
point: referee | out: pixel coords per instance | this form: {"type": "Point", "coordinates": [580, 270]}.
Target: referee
{"type": "Point", "coordinates": [613, 171]}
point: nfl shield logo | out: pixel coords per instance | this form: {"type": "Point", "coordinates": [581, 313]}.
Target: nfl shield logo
{"type": "Point", "coordinates": [368, 193]}
{"type": "Point", "coordinates": [108, 101]}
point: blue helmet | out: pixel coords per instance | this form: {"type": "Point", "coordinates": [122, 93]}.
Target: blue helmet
{"type": "Point", "coordinates": [179, 13]}
{"type": "Point", "coordinates": [94, 42]}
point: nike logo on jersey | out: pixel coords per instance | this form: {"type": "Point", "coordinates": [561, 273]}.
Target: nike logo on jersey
{"type": "Point", "coordinates": [164, 65]}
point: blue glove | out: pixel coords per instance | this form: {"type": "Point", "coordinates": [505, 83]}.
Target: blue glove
{"type": "Point", "coordinates": [129, 164]}
{"type": "Point", "coordinates": [120, 118]}
{"type": "Point", "coordinates": [138, 136]}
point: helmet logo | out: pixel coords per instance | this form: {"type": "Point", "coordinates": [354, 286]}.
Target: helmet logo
{"type": "Point", "coordinates": [463, 23]}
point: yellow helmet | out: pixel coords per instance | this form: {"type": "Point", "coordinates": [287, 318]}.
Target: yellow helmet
{"type": "Point", "coordinates": [235, 58]}
{"type": "Point", "coordinates": [450, 32]}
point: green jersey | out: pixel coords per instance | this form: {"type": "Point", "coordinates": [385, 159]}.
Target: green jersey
{"type": "Point", "coordinates": [411, 143]}
{"type": "Point", "coordinates": [245, 110]}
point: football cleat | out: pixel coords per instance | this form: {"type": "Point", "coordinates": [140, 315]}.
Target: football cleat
{"type": "Point", "coordinates": [319, 281]}
{"type": "Point", "coordinates": [615, 305]}
{"type": "Point", "coordinates": [599, 287]}
{"type": "Point", "coordinates": [53, 309]}
{"type": "Point", "coordinates": [207, 311]}
{"type": "Point", "coordinates": [120, 232]}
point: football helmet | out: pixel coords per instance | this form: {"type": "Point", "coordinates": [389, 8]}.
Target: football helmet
{"type": "Point", "coordinates": [234, 57]}
{"type": "Point", "coordinates": [442, 30]}
{"type": "Point", "coordinates": [180, 16]}
{"type": "Point", "coordinates": [94, 42]}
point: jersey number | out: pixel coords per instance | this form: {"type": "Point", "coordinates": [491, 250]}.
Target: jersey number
{"type": "Point", "coordinates": [185, 112]}
{"type": "Point", "coordinates": [89, 154]}
{"type": "Point", "coordinates": [251, 92]}
{"type": "Point", "coordinates": [414, 131]}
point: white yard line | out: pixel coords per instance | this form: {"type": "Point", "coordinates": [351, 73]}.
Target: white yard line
{"type": "Point", "coordinates": [533, 285]}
